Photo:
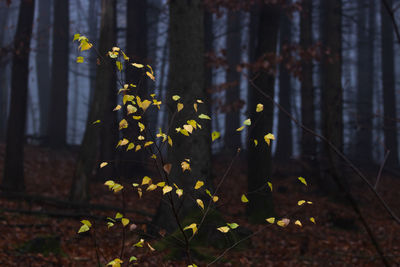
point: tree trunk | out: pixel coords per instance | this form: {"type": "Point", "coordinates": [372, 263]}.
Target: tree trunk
{"type": "Point", "coordinates": [136, 41]}
{"type": "Point", "coordinates": [365, 81]}
{"type": "Point", "coordinates": [13, 178]}
{"type": "Point", "coordinates": [57, 127]}
{"type": "Point", "coordinates": [99, 138]}
{"type": "Point", "coordinates": [186, 79]}
{"type": "Point", "coordinates": [388, 87]}
{"type": "Point", "coordinates": [233, 104]}
{"type": "Point", "coordinates": [260, 204]}
{"type": "Point", "coordinates": [331, 85]}
{"type": "Point", "coordinates": [284, 143]}
{"type": "Point", "coordinates": [308, 142]}
{"type": "Point", "coordinates": [43, 64]}
{"type": "Point", "coordinates": [3, 73]}
{"type": "Point", "coordinates": [93, 36]}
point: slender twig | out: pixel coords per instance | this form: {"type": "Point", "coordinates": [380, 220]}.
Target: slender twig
{"type": "Point", "coordinates": [378, 178]}
{"type": "Point", "coordinates": [392, 18]}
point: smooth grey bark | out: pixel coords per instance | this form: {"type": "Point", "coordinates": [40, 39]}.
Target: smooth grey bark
{"type": "Point", "coordinates": [232, 138]}
{"type": "Point", "coordinates": [365, 79]}
{"type": "Point", "coordinates": [186, 79]}
{"type": "Point", "coordinates": [285, 142]}
{"type": "Point", "coordinates": [260, 204]}
{"type": "Point", "coordinates": [99, 139]}
{"type": "Point", "coordinates": [3, 73]}
{"type": "Point", "coordinates": [57, 128]}
{"type": "Point", "coordinates": [43, 63]}
{"type": "Point", "coordinates": [388, 87]}
{"type": "Point", "coordinates": [13, 178]}
{"type": "Point", "coordinates": [308, 142]}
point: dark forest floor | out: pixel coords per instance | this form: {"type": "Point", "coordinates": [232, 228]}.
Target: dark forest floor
{"type": "Point", "coordinates": [337, 238]}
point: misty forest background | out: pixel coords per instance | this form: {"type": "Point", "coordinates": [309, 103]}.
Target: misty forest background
{"type": "Point", "coordinates": [326, 72]}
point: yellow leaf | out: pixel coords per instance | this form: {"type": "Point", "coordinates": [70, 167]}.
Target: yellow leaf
{"type": "Point", "coordinates": [255, 142]}
{"type": "Point", "coordinates": [117, 187]}
{"type": "Point", "coordinates": [95, 122]}
{"type": "Point", "coordinates": [83, 228]}
{"type": "Point", "coordinates": [161, 184]}
{"type": "Point", "coordinates": [270, 185]}
{"type": "Point", "coordinates": [268, 138]}
{"type": "Point", "coordinates": [179, 192]}
{"type": "Point", "coordinates": [136, 117]}
{"type": "Point", "coordinates": [188, 128]}
{"type": "Point", "coordinates": [200, 203]}
{"type": "Point", "coordinates": [146, 180]}
{"type": "Point", "coordinates": [140, 243]}
{"type": "Point", "coordinates": [185, 166]}
{"type": "Point", "coordinates": [301, 202]}
{"type": "Point", "coordinates": [199, 101]}
{"type": "Point", "coordinates": [301, 179]}
{"type": "Point", "coordinates": [124, 142]}
{"type": "Point", "coordinates": [125, 56]}
{"type": "Point", "coordinates": [259, 108]}
{"type": "Point", "coordinates": [204, 117]}
{"type": "Point", "coordinates": [215, 135]}
{"type": "Point", "coordinates": [86, 222]}
{"type": "Point", "coordinates": [130, 146]}
{"type": "Point", "coordinates": [150, 247]}
{"type": "Point", "coordinates": [118, 215]}
{"type": "Point", "coordinates": [233, 225]}
{"type": "Point", "coordinates": [130, 109]}
{"type": "Point", "coordinates": [137, 65]}
{"type": "Point", "coordinates": [85, 45]}
{"type": "Point", "coordinates": [139, 190]}
{"type": "Point", "coordinates": [283, 223]}
{"type": "Point", "coordinates": [125, 221]}
{"type": "Point", "coordinates": [76, 36]}
{"type": "Point", "coordinates": [309, 202]}
{"type": "Point", "coordinates": [151, 187]}
{"type": "Point", "coordinates": [150, 75]}
{"type": "Point", "coordinates": [140, 137]}
{"type": "Point", "coordinates": [223, 229]}
{"type": "Point", "coordinates": [109, 183]}
{"type": "Point", "coordinates": [270, 220]}
{"type": "Point", "coordinates": [141, 126]}
{"type": "Point", "coordinates": [240, 129]}
{"type": "Point", "coordinates": [169, 140]}
{"type": "Point", "coordinates": [176, 97]}
{"type": "Point", "coordinates": [215, 199]}
{"type": "Point", "coordinates": [135, 184]}
{"type": "Point", "coordinates": [247, 122]}
{"type": "Point", "coordinates": [184, 132]}
{"type": "Point", "coordinates": [151, 69]}
{"type": "Point", "coordinates": [193, 226]}
{"type": "Point", "coordinates": [118, 107]}
{"type": "Point", "coordinates": [195, 107]}
{"type": "Point", "coordinates": [312, 220]}
{"type": "Point", "coordinates": [119, 65]}
{"type": "Point", "coordinates": [297, 222]}
{"type": "Point", "coordinates": [179, 106]}
{"type": "Point", "coordinates": [166, 189]}
{"type": "Point", "coordinates": [115, 263]}
{"type": "Point", "coordinates": [79, 60]}
{"type": "Point", "coordinates": [244, 199]}
{"type": "Point", "coordinates": [103, 164]}
{"type": "Point", "coordinates": [123, 124]}
{"type": "Point", "coordinates": [198, 184]}
{"type": "Point", "coordinates": [148, 143]}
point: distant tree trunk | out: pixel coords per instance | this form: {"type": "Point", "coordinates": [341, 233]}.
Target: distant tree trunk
{"type": "Point", "coordinates": [3, 74]}
{"type": "Point", "coordinates": [308, 142]}
{"type": "Point", "coordinates": [186, 79]}
{"type": "Point", "coordinates": [13, 178]}
{"type": "Point", "coordinates": [136, 43]}
{"type": "Point", "coordinates": [365, 80]}
{"type": "Point", "coordinates": [57, 127]}
{"type": "Point", "coordinates": [99, 138]}
{"type": "Point", "coordinates": [331, 91]}
{"type": "Point", "coordinates": [208, 48]}
{"type": "Point", "coordinates": [284, 143]}
{"type": "Point", "coordinates": [388, 87]}
{"type": "Point", "coordinates": [260, 204]}
{"type": "Point", "coordinates": [93, 36]}
{"type": "Point", "coordinates": [43, 63]}
{"type": "Point", "coordinates": [232, 138]}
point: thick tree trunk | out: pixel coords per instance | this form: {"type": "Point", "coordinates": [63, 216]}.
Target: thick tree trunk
{"type": "Point", "coordinates": [43, 64]}
{"type": "Point", "coordinates": [284, 143]}
{"type": "Point", "coordinates": [13, 178]}
{"type": "Point", "coordinates": [3, 73]}
{"type": "Point", "coordinates": [260, 204]}
{"type": "Point", "coordinates": [57, 127]}
{"type": "Point", "coordinates": [308, 142]}
{"type": "Point", "coordinates": [93, 37]}
{"type": "Point", "coordinates": [331, 75]}
{"type": "Point", "coordinates": [388, 87]}
{"type": "Point", "coordinates": [186, 79]}
{"type": "Point", "coordinates": [136, 41]}
{"type": "Point", "coordinates": [99, 139]}
{"type": "Point", "coordinates": [233, 104]}
{"type": "Point", "coordinates": [365, 81]}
